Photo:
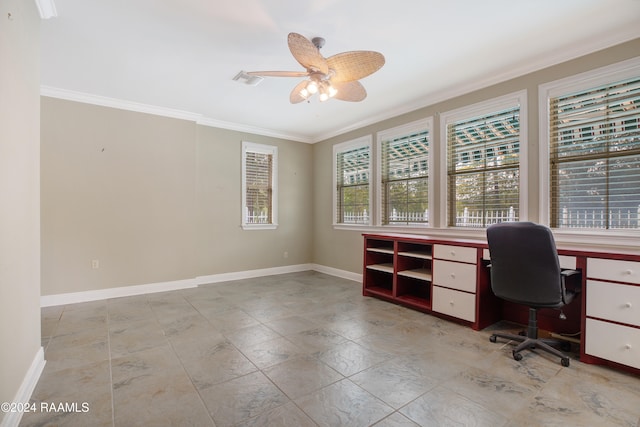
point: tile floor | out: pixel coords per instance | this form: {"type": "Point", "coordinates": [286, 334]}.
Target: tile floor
{"type": "Point", "coordinates": [303, 349]}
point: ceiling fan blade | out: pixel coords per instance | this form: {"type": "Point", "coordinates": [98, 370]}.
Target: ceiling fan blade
{"type": "Point", "coordinates": [349, 91]}
{"type": "Point", "coordinates": [278, 73]}
{"type": "Point", "coordinates": [305, 52]}
{"type": "Point", "coordinates": [350, 66]}
{"type": "Point", "coordinates": [295, 96]}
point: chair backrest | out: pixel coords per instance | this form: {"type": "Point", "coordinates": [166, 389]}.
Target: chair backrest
{"type": "Point", "coordinates": [524, 264]}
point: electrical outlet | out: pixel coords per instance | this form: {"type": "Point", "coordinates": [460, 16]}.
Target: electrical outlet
{"type": "Point", "coordinates": [95, 263]}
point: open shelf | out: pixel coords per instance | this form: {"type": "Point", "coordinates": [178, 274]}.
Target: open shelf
{"type": "Point", "coordinates": [418, 273]}
{"type": "Point", "coordinates": [416, 254]}
{"type": "Point", "coordinates": [415, 291]}
{"type": "Point", "coordinates": [381, 250]}
{"type": "Point", "coordinates": [387, 267]}
{"type": "Point", "coordinates": [383, 292]}
{"type": "Point", "coordinates": [415, 301]}
{"type": "Point", "coordinates": [415, 250]}
{"type": "Point", "coordinates": [399, 270]}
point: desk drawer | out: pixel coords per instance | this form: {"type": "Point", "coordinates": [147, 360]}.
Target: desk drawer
{"type": "Point", "coordinates": [613, 342]}
{"type": "Point", "coordinates": [610, 269]}
{"type": "Point", "coordinates": [454, 303]}
{"type": "Point", "coordinates": [455, 253]}
{"type": "Point", "coordinates": [613, 301]}
{"type": "Point", "coordinates": [454, 275]}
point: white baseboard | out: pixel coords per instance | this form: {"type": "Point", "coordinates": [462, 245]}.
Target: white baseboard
{"type": "Point", "coordinates": [356, 277]}
{"type": "Point", "coordinates": [125, 291]}
{"type": "Point", "coordinates": [12, 419]}
{"type": "Point", "coordinates": [249, 274]}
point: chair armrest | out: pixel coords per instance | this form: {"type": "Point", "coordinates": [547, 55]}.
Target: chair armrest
{"type": "Point", "coordinates": [568, 273]}
{"type": "Point", "coordinates": [577, 288]}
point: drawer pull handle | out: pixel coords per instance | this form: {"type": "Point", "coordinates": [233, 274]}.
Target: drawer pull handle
{"type": "Point", "coordinates": [453, 253]}
{"type": "Point", "coordinates": [628, 272]}
{"type": "Point", "coordinates": [627, 305]}
{"type": "Point", "coordinates": [453, 275]}
{"type": "Point", "coordinates": [627, 347]}
{"type": "Point", "coordinates": [451, 303]}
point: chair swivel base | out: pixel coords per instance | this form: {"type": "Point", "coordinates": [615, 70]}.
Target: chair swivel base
{"type": "Point", "coordinates": [531, 343]}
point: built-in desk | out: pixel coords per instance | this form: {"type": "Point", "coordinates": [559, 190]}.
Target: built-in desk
{"type": "Point", "coordinates": [449, 278]}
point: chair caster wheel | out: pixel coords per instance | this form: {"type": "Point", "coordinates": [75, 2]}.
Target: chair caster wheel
{"type": "Point", "coordinates": [564, 361]}
{"type": "Point", "coordinates": [516, 356]}
{"type": "Point", "coordinates": [493, 338]}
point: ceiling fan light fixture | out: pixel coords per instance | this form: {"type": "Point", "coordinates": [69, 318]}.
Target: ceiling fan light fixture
{"type": "Point", "coordinates": [342, 70]}
{"type": "Point", "coordinates": [312, 87]}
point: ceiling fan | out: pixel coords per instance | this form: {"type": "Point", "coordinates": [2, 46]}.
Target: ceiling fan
{"type": "Point", "coordinates": [334, 77]}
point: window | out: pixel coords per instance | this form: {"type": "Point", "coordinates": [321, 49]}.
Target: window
{"type": "Point", "coordinates": [485, 144]}
{"type": "Point", "coordinates": [404, 174]}
{"type": "Point", "coordinates": [352, 169]}
{"type": "Point", "coordinates": [593, 131]}
{"type": "Point", "coordinates": [259, 189]}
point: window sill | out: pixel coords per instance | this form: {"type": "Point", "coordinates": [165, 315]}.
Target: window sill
{"type": "Point", "coordinates": [259, 226]}
{"type": "Point", "coordinates": [620, 240]}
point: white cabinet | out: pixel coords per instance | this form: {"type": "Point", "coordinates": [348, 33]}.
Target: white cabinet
{"type": "Point", "coordinates": [455, 275]}
{"type": "Point", "coordinates": [612, 328]}
{"type": "Point", "coordinates": [455, 281]}
{"type": "Point", "coordinates": [610, 341]}
{"type": "Point", "coordinates": [613, 301]}
{"type": "Point", "coordinates": [454, 303]}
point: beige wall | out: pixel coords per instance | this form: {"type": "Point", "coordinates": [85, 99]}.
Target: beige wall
{"type": "Point", "coordinates": [223, 246]}
{"type": "Point", "coordinates": [19, 194]}
{"type": "Point", "coordinates": [343, 249]}
{"type": "Point", "coordinates": [156, 199]}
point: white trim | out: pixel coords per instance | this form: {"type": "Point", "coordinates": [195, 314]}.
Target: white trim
{"type": "Point", "coordinates": [124, 291]}
{"type": "Point", "coordinates": [23, 395]}
{"type": "Point", "coordinates": [356, 277]}
{"type": "Point", "coordinates": [483, 107]}
{"type": "Point", "coordinates": [583, 48]}
{"type": "Point", "coordinates": [103, 101]}
{"type": "Point", "coordinates": [363, 141]}
{"type": "Point", "coordinates": [47, 9]}
{"type": "Point", "coordinates": [262, 149]}
{"type": "Point", "coordinates": [250, 274]}
{"type": "Point", "coordinates": [574, 83]}
{"type": "Point", "coordinates": [120, 104]}
{"type": "Point", "coordinates": [121, 291]}
{"type": "Point", "coordinates": [205, 121]}
{"type": "Point", "coordinates": [425, 124]}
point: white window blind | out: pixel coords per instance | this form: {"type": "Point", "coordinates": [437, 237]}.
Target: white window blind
{"type": "Point", "coordinates": [405, 179]}
{"type": "Point", "coordinates": [352, 185]}
{"type": "Point", "coordinates": [484, 169]}
{"type": "Point", "coordinates": [595, 157]}
{"type": "Point", "coordinates": [259, 166]}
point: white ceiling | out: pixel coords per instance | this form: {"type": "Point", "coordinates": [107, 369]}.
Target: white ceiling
{"type": "Point", "coordinates": [178, 57]}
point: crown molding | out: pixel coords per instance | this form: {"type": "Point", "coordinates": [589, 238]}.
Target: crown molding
{"type": "Point", "coordinates": [544, 61]}
{"type": "Point", "coordinates": [205, 121]}
{"type": "Point", "coordinates": [47, 9]}
{"type": "Point", "coordinates": [103, 101]}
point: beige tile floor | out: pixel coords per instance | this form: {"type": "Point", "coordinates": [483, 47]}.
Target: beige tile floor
{"type": "Point", "coordinates": [304, 349]}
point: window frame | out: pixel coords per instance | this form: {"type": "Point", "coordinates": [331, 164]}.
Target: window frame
{"type": "Point", "coordinates": [260, 149]}
{"type": "Point", "coordinates": [574, 83]}
{"type": "Point", "coordinates": [364, 141]}
{"type": "Point", "coordinates": [469, 111]}
{"type": "Point", "coordinates": [421, 125]}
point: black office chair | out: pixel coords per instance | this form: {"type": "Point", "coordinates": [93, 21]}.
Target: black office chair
{"type": "Point", "coordinates": [525, 270]}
